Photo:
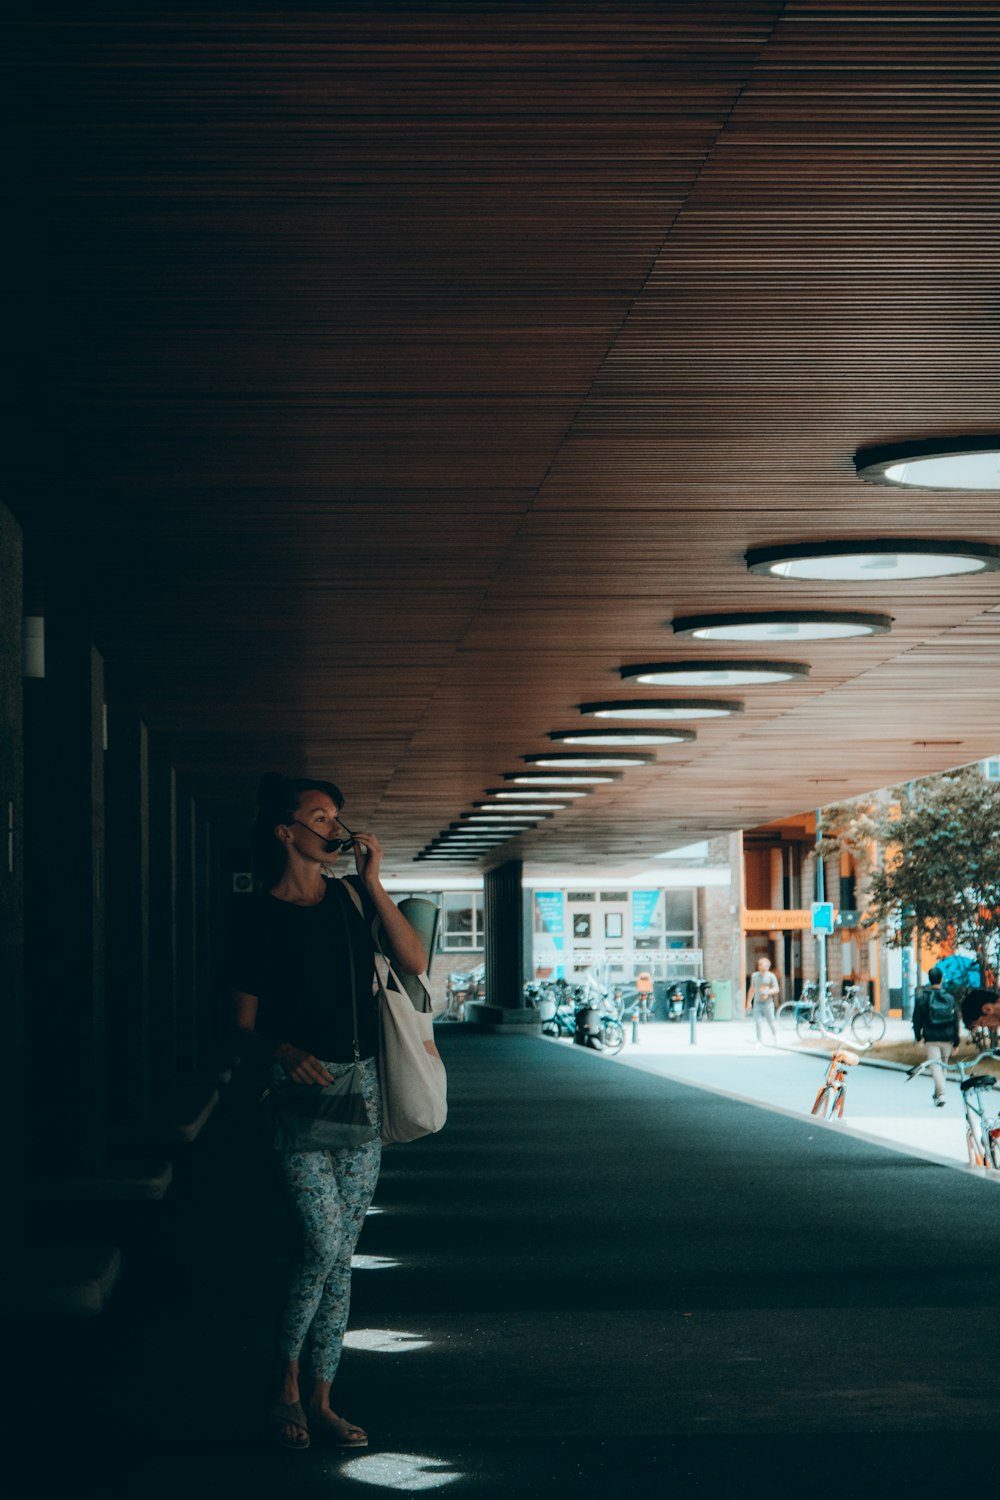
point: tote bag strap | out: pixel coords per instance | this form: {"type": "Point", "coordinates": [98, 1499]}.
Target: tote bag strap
{"type": "Point", "coordinates": [354, 980]}
{"type": "Point", "coordinates": [424, 1003]}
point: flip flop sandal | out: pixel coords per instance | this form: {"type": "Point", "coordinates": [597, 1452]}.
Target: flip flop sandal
{"type": "Point", "coordinates": [282, 1415]}
{"type": "Point", "coordinates": [341, 1433]}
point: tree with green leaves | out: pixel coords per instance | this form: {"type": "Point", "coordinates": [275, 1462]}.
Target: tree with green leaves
{"type": "Point", "coordinates": [937, 863]}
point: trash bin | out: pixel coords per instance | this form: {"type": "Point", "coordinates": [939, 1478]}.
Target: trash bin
{"type": "Point", "coordinates": [723, 999]}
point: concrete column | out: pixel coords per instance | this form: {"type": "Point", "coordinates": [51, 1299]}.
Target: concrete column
{"type": "Point", "coordinates": [65, 889]}
{"type": "Point", "coordinates": [12, 990]}
{"type": "Point", "coordinates": [127, 771]}
{"type": "Point", "coordinates": [188, 1051]}
{"type": "Point", "coordinates": [503, 904]}
{"type": "Point", "coordinates": [163, 928]}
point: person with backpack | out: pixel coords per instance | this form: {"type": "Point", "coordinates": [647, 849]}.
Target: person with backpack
{"type": "Point", "coordinates": [935, 1023]}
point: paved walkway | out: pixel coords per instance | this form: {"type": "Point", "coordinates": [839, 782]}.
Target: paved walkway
{"type": "Point", "coordinates": [881, 1104]}
{"type": "Point", "coordinates": [595, 1281]}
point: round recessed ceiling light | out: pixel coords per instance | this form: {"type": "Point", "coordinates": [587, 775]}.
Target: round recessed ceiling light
{"type": "Point", "coordinates": [519, 807]}
{"type": "Point", "coordinates": [619, 737]}
{"type": "Point", "coordinates": [567, 778]}
{"type": "Point", "coordinates": [969, 463]}
{"type": "Point", "coordinates": [570, 760]}
{"type": "Point", "coordinates": [514, 794]}
{"type": "Point", "coordinates": [783, 625]}
{"type": "Point", "coordinates": [497, 813]}
{"type": "Point", "coordinates": [663, 708]}
{"type": "Point", "coordinates": [894, 560]}
{"type": "Point", "coordinates": [712, 673]}
{"type": "Point", "coordinates": [455, 859]}
{"type": "Point", "coordinates": [501, 820]}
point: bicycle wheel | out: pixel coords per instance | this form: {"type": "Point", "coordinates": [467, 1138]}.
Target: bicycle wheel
{"type": "Point", "coordinates": [868, 1026]}
{"type": "Point", "coordinates": [613, 1036]}
{"type": "Point", "coordinates": [786, 1015]}
{"type": "Point", "coordinates": [550, 1027]}
{"type": "Point", "coordinates": [822, 1099]}
{"type": "Point", "coordinates": [992, 1148]}
{"type": "Point", "coordinates": [710, 1009]}
{"type": "Point", "coordinates": [838, 1014]}
{"type": "Point", "coordinates": [806, 1024]}
{"type": "Point", "coordinates": [974, 1146]}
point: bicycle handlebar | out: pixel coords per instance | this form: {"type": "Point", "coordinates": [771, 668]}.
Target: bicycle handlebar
{"type": "Point", "coordinates": [961, 1063]}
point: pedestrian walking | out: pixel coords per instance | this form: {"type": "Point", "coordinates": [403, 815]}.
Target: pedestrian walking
{"type": "Point", "coordinates": [935, 1023]}
{"type": "Point", "coordinates": [762, 993]}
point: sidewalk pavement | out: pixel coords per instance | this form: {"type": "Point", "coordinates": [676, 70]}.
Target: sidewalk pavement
{"type": "Point", "coordinates": [881, 1105]}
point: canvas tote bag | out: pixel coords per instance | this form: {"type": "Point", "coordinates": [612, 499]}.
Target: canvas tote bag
{"type": "Point", "coordinates": [412, 1075]}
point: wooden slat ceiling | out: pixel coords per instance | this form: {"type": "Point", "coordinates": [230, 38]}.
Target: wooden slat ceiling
{"type": "Point", "coordinates": [395, 373]}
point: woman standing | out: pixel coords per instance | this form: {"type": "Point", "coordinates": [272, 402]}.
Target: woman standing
{"type": "Point", "coordinates": [292, 972]}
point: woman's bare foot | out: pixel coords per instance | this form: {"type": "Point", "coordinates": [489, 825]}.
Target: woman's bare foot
{"type": "Point", "coordinates": [289, 1424]}
{"type": "Point", "coordinates": [337, 1430]}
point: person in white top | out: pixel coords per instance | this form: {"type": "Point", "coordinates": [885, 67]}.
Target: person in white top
{"type": "Point", "coordinates": [762, 992]}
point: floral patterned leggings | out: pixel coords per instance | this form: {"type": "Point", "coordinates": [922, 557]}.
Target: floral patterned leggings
{"type": "Point", "coordinates": [329, 1193]}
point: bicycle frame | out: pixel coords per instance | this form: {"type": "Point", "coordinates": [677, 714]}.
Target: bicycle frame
{"type": "Point", "coordinates": [982, 1130]}
{"type": "Point", "coordinates": [834, 1085]}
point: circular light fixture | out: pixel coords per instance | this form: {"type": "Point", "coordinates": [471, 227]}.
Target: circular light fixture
{"type": "Point", "coordinates": [500, 820]}
{"type": "Point", "coordinates": [567, 778]}
{"type": "Point", "coordinates": [463, 831]}
{"type": "Point", "coordinates": [893, 560]}
{"type": "Point", "coordinates": [571, 761]}
{"type": "Point", "coordinates": [967, 463]}
{"type": "Point", "coordinates": [783, 625]}
{"type": "Point", "coordinates": [455, 859]}
{"type": "Point", "coordinates": [512, 794]}
{"type": "Point", "coordinates": [664, 708]}
{"type": "Point", "coordinates": [619, 737]}
{"type": "Point", "coordinates": [712, 673]}
{"type": "Point", "coordinates": [522, 807]}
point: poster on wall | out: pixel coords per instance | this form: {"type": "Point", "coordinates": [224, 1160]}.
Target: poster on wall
{"type": "Point", "coordinates": [647, 919]}
{"type": "Point", "coordinates": [550, 934]}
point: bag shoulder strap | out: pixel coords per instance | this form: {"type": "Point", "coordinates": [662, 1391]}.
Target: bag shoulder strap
{"type": "Point", "coordinates": [419, 982]}
{"type": "Point", "coordinates": [354, 981]}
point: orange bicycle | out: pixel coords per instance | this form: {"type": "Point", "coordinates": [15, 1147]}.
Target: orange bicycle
{"type": "Point", "coordinates": [830, 1099]}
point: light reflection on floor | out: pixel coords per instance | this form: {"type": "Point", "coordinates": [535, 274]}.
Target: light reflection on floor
{"type": "Point", "coordinates": [384, 1340]}
{"type": "Point", "coordinates": [408, 1472]}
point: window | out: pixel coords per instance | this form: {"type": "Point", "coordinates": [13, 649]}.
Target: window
{"type": "Point", "coordinates": [679, 914]}
{"type": "Point", "coordinates": [461, 920]}
{"type": "Point", "coordinates": [991, 769]}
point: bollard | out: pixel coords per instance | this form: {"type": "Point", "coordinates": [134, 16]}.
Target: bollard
{"type": "Point", "coordinates": [635, 1026]}
{"type": "Point", "coordinates": [693, 1019]}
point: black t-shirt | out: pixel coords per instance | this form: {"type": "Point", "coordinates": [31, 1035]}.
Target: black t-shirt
{"type": "Point", "coordinates": [295, 960]}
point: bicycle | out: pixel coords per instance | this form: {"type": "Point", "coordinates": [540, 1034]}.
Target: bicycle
{"type": "Point", "coordinates": [791, 1012]}
{"type": "Point", "coordinates": [460, 988]}
{"type": "Point", "coordinates": [556, 1008]}
{"type": "Point", "coordinates": [982, 1128]}
{"type": "Point", "coordinates": [809, 1022]}
{"type": "Point", "coordinates": [834, 1085]}
{"type": "Point", "coordinates": [866, 1022]}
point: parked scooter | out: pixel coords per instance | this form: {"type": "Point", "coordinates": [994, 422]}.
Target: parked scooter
{"type": "Point", "coordinates": [691, 994]}
{"type": "Point", "coordinates": [676, 1001]}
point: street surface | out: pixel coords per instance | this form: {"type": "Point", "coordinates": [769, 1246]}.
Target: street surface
{"type": "Point", "coordinates": [881, 1104]}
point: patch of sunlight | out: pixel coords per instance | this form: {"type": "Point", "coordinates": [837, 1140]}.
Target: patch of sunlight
{"type": "Point", "coordinates": [384, 1340]}
{"type": "Point", "coordinates": [408, 1472]}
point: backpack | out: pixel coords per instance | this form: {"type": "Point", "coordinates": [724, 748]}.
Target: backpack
{"type": "Point", "coordinates": [940, 1008]}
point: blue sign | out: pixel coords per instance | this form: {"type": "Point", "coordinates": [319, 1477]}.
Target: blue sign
{"type": "Point", "coordinates": [644, 904]}
{"type": "Point", "coordinates": [822, 918]}
{"type": "Point", "coordinates": [552, 911]}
